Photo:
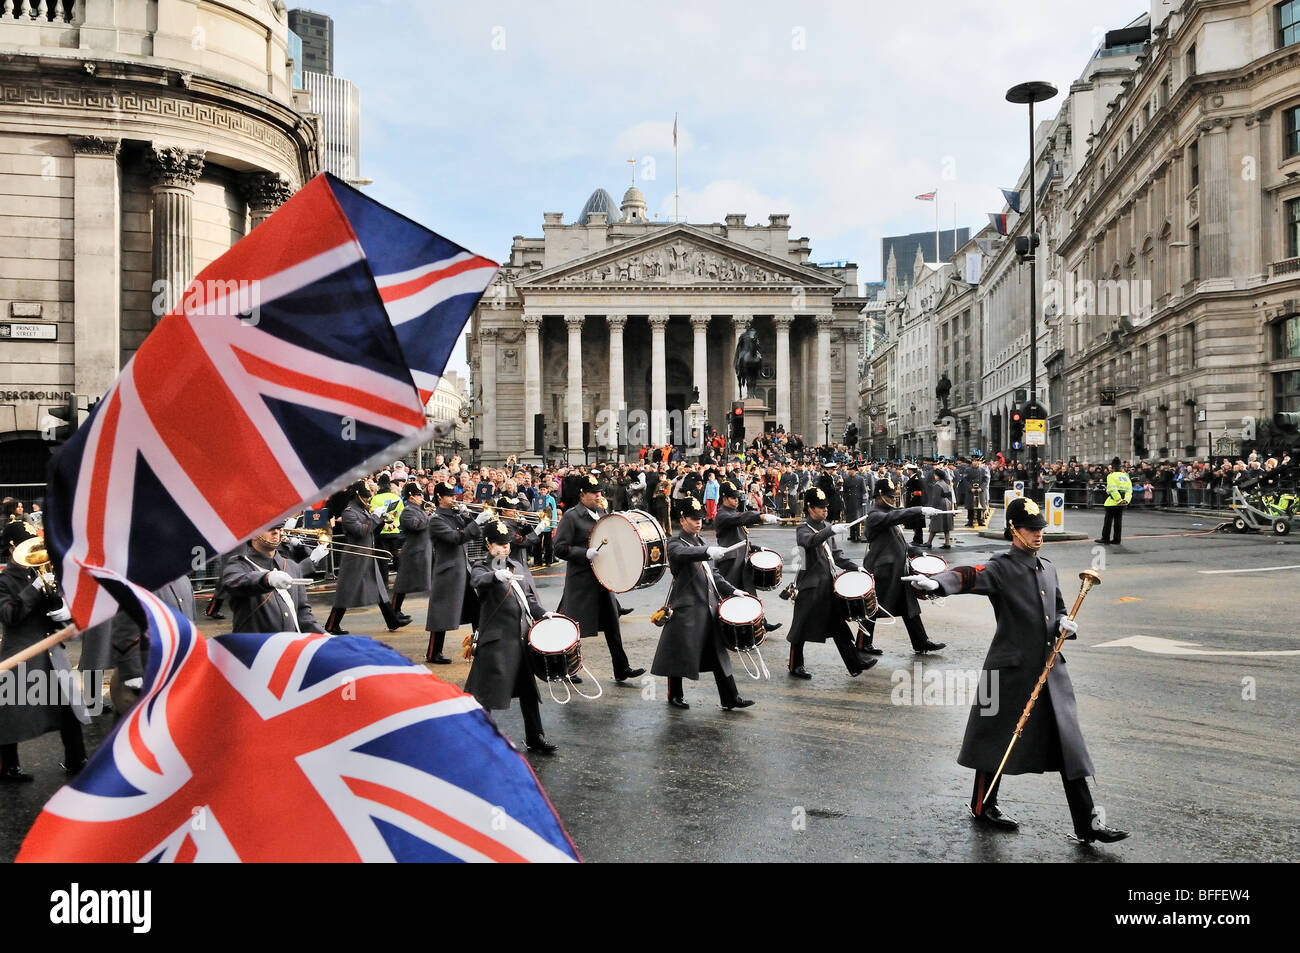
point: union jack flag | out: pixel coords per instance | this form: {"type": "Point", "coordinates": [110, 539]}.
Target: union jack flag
{"type": "Point", "coordinates": [294, 748]}
{"type": "Point", "coordinates": [282, 373]}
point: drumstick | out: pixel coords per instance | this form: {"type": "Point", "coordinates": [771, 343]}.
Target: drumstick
{"type": "Point", "coordinates": [743, 542]}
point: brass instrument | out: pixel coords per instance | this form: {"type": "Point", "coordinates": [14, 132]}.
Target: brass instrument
{"type": "Point", "coordinates": [341, 547]}
{"type": "Point", "coordinates": [33, 554]}
{"type": "Point", "coordinates": [521, 516]}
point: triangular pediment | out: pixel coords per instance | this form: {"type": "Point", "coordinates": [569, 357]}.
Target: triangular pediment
{"type": "Point", "coordinates": [678, 256]}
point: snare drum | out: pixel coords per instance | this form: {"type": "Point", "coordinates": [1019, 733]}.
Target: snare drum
{"type": "Point", "coordinates": [927, 565]}
{"type": "Point", "coordinates": [633, 551]}
{"type": "Point", "coordinates": [741, 620]}
{"type": "Point", "coordinates": [766, 566]}
{"type": "Point", "coordinates": [554, 648]}
{"type": "Point", "coordinates": [856, 590]}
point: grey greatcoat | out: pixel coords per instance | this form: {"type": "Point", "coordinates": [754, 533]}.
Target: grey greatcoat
{"type": "Point", "coordinates": [520, 542]}
{"type": "Point", "coordinates": [941, 498]}
{"type": "Point", "coordinates": [886, 558]}
{"type": "Point", "coordinates": [22, 613]}
{"type": "Point", "coordinates": [854, 489]}
{"type": "Point", "coordinates": [254, 605]}
{"type": "Point", "coordinates": [415, 570]}
{"type": "Point", "coordinates": [360, 580]}
{"type": "Point", "coordinates": [732, 525]}
{"type": "Point", "coordinates": [816, 608]}
{"type": "Point", "coordinates": [452, 603]}
{"type": "Point", "coordinates": [691, 639]}
{"type": "Point", "coordinates": [1027, 602]}
{"type": "Point", "coordinates": [499, 661]}
{"type": "Point", "coordinates": [118, 643]}
{"type": "Point", "coordinates": [585, 600]}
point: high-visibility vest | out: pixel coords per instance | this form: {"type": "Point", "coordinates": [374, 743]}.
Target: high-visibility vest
{"type": "Point", "coordinates": [1119, 488]}
{"type": "Point", "coordinates": [390, 526]}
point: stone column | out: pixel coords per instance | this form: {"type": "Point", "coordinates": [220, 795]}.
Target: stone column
{"type": "Point", "coordinates": [700, 362]}
{"type": "Point", "coordinates": [487, 354]}
{"type": "Point", "coordinates": [97, 264]}
{"type": "Point", "coordinates": [263, 192]}
{"type": "Point", "coordinates": [823, 374]}
{"type": "Point", "coordinates": [783, 322]}
{"type": "Point", "coordinates": [174, 172]}
{"type": "Point", "coordinates": [532, 374]}
{"type": "Point", "coordinates": [573, 398]}
{"type": "Point", "coordinates": [617, 322]}
{"type": "Point", "coordinates": [658, 380]}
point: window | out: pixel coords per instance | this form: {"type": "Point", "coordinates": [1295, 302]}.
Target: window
{"type": "Point", "coordinates": [1288, 23]}
{"type": "Point", "coordinates": [1164, 91]}
{"type": "Point", "coordinates": [1291, 132]}
{"type": "Point", "coordinates": [1195, 234]}
{"type": "Point", "coordinates": [1162, 355]}
{"type": "Point", "coordinates": [1191, 345]}
{"type": "Point", "coordinates": [1286, 392]}
{"type": "Point", "coordinates": [1191, 60]}
{"type": "Point", "coordinates": [1293, 228]}
{"type": "Point", "coordinates": [1193, 165]}
{"type": "Point", "coordinates": [1286, 338]}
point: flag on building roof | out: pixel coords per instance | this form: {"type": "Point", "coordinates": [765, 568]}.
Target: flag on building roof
{"type": "Point", "coordinates": [985, 247]}
{"type": "Point", "coordinates": [928, 196]}
{"type": "Point", "coordinates": [1013, 199]}
{"type": "Point", "coordinates": [284, 371]}
{"type": "Point", "coordinates": [999, 222]}
{"type": "Point", "coordinates": [293, 747]}
{"type": "Point", "coordinates": [674, 129]}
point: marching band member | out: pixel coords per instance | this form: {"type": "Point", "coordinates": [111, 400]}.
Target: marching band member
{"type": "Point", "coordinates": [452, 602]}
{"type": "Point", "coordinates": [886, 560]}
{"type": "Point", "coordinates": [257, 579]}
{"type": "Point", "coordinates": [520, 539]}
{"type": "Point", "coordinates": [731, 526]}
{"type": "Point", "coordinates": [585, 600]}
{"type": "Point", "coordinates": [817, 612]}
{"type": "Point", "coordinates": [416, 568]}
{"type": "Point", "coordinates": [1031, 614]}
{"type": "Point", "coordinates": [499, 671]}
{"type": "Point", "coordinates": [30, 611]}
{"type": "Point", "coordinates": [691, 640]}
{"type": "Point", "coordinates": [360, 580]}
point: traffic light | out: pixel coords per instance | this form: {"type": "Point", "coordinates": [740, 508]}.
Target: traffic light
{"type": "Point", "coordinates": [1017, 429]}
{"type": "Point", "coordinates": [60, 434]}
{"type": "Point", "coordinates": [737, 421]}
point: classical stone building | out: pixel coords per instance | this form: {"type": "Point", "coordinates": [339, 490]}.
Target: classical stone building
{"type": "Point", "coordinates": [625, 318]}
{"type": "Point", "coordinates": [138, 142]}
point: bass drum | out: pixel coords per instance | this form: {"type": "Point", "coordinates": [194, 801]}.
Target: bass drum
{"type": "Point", "coordinates": [633, 551]}
{"type": "Point", "coordinates": [741, 619]}
{"type": "Point", "coordinates": [554, 648]}
{"type": "Point", "coordinates": [856, 590]}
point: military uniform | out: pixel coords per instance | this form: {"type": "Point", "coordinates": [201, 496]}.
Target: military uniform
{"type": "Point", "coordinates": [854, 490]}
{"type": "Point", "coordinates": [452, 602]}
{"type": "Point", "coordinates": [360, 580]}
{"type": "Point", "coordinates": [255, 606]}
{"type": "Point", "coordinates": [818, 614]}
{"type": "Point", "coordinates": [731, 526]}
{"type": "Point", "coordinates": [416, 570]}
{"type": "Point", "coordinates": [1028, 605]}
{"type": "Point", "coordinates": [886, 560]}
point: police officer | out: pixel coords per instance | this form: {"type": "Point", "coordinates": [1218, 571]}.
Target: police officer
{"type": "Point", "coordinates": [585, 600]}
{"type": "Point", "coordinates": [500, 671]}
{"type": "Point", "coordinates": [817, 613]}
{"type": "Point", "coordinates": [692, 641]}
{"type": "Point", "coordinates": [1119, 493]}
{"type": "Point", "coordinates": [452, 602]}
{"type": "Point", "coordinates": [1030, 612]}
{"type": "Point", "coordinates": [886, 560]}
{"type": "Point", "coordinates": [977, 498]}
{"type": "Point", "coordinates": [914, 499]}
{"type": "Point", "coordinates": [732, 525]}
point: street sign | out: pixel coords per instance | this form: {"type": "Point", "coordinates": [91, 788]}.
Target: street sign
{"type": "Point", "coordinates": [1035, 432]}
{"type": "Point", "coordinates": [20, 331]}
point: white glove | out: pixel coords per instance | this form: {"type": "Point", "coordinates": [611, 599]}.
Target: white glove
{"type": "Point", "coordinates": [483, 517]}
{"type": "Point", "coordinates": [291, 523]}
{"type": "Point", "coordinates": [319, 553]}
{"type": "Point", "coordinates": [717, 552]}
{"type": "Point", "coordinates": [462, 509]}
{"type": "Point", "coordinates": [504, 575]}
{"type": "Point", "coordinates": [591, 553]}
{"type": "Point", "coordinates": [923, 583]}
{"type": "Point", "coordinates": [379, 511]}
{"type": "Point", "coordinates": [930, 511]}
{"type": "Point", "coordinates": [1067, 625]}
{"type": "Point", "coordinates": [39, 583]}
{"type": "Point", "coordinates": [548, 615]}
{"type": "Point", "coordinates": [61, 614]}
{"type": "Point", "coordinates": [279, 579]}
{"type": "Point", "coordinates": [841, 529]}
{"type": "Point", "coordinates": [771, 518]}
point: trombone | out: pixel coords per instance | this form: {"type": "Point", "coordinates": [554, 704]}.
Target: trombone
{"type": "Point", "coordinates": [341, 547]}
{"type": "Point", "coordinates": [521, 516]}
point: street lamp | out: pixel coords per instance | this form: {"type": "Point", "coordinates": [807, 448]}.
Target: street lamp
{"type": "Point", "coordinates": [1030, 93]}
{"type": "Point", "coordinates": [826, 421]}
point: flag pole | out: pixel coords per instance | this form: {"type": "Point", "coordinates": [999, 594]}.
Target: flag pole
{"type": "Point", "coordinates": [676, 185]}
{"type": "Point", "coordinates": [936, 227]}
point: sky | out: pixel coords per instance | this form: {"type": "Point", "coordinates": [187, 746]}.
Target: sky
{"type": "Point", "coordinates": [477, 118]}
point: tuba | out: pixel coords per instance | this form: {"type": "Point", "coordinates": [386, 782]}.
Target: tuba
{"type": "Point", "coordinates": [32, 554]}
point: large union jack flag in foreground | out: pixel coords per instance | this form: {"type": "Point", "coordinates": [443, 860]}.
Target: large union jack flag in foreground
{"type": "Point", "coordinates": [300, 358]}
{"type": "Point", "coordinates": [294, 748]}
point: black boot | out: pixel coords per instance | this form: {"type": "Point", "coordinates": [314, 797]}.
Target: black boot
{"type": "Point", "coordinates": [676, 695]}
{"type": "Point", "coordinates": [392, 618]}
{"type": "Point", "coordinates": [730, 694]}
{"type": "Point", "coordinates": [334, 624]}
{"type": "Point", "coordinates": [434, 652]}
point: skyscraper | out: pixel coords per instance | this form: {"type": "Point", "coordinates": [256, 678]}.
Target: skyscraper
{"type": "Point", "coordinates": [317, 33]}
{"type": "Point", "coordinates": [905, 247]}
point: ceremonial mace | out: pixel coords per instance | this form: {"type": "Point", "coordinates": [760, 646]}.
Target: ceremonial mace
{"type": "Point", "coordinates": [1090, 578]}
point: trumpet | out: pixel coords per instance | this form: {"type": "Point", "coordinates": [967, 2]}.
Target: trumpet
{"type": "Point", "coordinates": [342, 547]}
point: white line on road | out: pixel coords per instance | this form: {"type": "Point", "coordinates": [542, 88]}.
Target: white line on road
{"type": "Point", "coordinates": [1221, 572]}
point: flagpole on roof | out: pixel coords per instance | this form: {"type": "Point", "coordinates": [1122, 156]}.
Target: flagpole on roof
{"type": "Point", "coordinates": [676, 193]}
{"type": "Point", "coordinates": [936, 226]}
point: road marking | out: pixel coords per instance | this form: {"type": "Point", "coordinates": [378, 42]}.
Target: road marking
{"type": "Point", "coordinates": [1130, 599]}
{"type": "Point", "coordinates": [1222, 572]}
{"type": "Point", "coordinates": [1159, 646]}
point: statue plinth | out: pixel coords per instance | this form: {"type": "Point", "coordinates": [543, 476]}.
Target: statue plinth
{"type": "Point", "coordinates": [755, 418]}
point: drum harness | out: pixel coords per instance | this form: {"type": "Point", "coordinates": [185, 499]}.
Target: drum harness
{"type": "Point", "coordinates": [759, 671]}
{"type": "Point", "coordinates": [569, 689]}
